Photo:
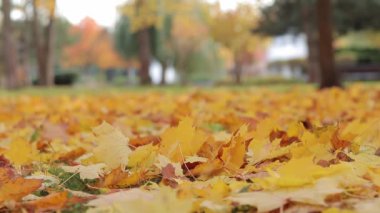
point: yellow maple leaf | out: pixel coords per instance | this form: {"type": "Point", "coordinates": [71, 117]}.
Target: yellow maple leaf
{"type": "Point", "coordinates": [290, 174]}
{"type": "Point", "coordinates": [336, 210]}
{"type": "Point", "coordinates": [112, 147]}
{"type": "Point", "coordinates": [259, 150]}
{"type": "Point", "coordinates": [21, 152]}
{"type": "Point", "coordinates": [270, 200]}
{"type": "Point", "coordinates": [143, 156]}
{"type": "Point", "coordinates": [181, 141]}
{"type": "Point", "coordinates": [234, 154]}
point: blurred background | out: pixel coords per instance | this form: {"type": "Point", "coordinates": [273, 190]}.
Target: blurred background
{"type": "Point", "coordinates": [90, 43]}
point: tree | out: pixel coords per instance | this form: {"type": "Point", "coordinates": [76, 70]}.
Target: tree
{"type": "Point", "coordinates": [143, 15]}
{"type": "Point", "coordinates": [170, 41]}
{"type": "Point", "coordinates": [163, 47]}
{"type": "Point", "coordinates": [64, 37]}
{"type": "Point", "coordinates": [160, 42]}
{"type": "Point", "coordinates": [44, 38]}
{"type": "Point", "coordinates": [300, 16]}
{"type": "Point", "coordinates": [9, 47]}
{"type": "Point", "coordinates": [233, 30]}
{"type": "Point", "coordinates": [188, 35]}
{"type": "Point", "coordinates": [329, 76]}
{"type": "Point", "coordinates": [94, 47]}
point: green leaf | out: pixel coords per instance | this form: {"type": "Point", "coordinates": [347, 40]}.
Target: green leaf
{"type": "Point", "coordinates": [36, 134]}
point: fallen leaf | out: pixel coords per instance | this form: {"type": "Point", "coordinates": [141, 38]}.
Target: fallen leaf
{"type": "Point", "coordinates": [179, 142]}
{"type": "Point", "coordinates": [52, 202]}
{"type": "Point", "coordinates": [17, 188]}
{"type": "Point", "coordinates": [111, 146]}
{"type": "Point", "coordinates": [86, 172]}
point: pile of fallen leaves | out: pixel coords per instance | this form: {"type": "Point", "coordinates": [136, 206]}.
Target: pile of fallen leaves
{"type": "Point", "coordinates": [219, 150]}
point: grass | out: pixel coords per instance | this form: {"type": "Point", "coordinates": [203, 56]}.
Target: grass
{"type": "Point", "coordinates": [40, 91]}
{"type": "Point", "coordinates": [76, 90]}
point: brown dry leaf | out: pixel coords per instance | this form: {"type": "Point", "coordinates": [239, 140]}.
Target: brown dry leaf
{"type": "Point", "coordinates": [168, 172]}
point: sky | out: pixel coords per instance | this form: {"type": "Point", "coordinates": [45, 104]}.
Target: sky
{"type": "Point", "coordinates": [104, 11]}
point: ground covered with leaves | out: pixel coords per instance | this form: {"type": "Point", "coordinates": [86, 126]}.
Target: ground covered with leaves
{"type": "Point", "coordinates": [220, 150]}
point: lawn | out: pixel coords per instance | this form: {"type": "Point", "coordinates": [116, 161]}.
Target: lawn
{"type": "Point", "coordinates": [283, 148]}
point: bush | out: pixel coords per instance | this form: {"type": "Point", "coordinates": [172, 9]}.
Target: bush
{"type": "Point", "coordinates": [65, 78]}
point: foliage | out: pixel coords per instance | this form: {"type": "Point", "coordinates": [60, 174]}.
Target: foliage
{"type": "Point", "coordinates": [94, 47]}
{"type": "Point", "coordinates": [196, 54]}
{"type": "Point", "coordinates": [178, 34]}
{"type": "Point", "coordinates": [125, 40]}
{"type": "Point", "coordinates": [233, 28]}
{"type": "Point", "coordinates": [189, 34]}
{"type": "Point", "coordinates": [285, 16]}
{"type": "Point", "coordinates": [146, 13]}
{"type": "Point", "coordinates": [48, 6]}
{"type": "Point", "coordinates": [127, 45]}
{"type": "Point", "coordinates": [222, 150]}
{"type": "Point", "coordinates": [63, 37]}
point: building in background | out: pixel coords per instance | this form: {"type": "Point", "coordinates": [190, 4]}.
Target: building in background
{"type": "Point", "coordinates": [286, 56]}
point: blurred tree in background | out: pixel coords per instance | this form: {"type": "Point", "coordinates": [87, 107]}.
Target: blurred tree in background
{"type": "Point", "coordinates": [9, 47]}
{"type": "Point", "coordinates": [64, 37]}
{"type": "Point", "coordinates": [126, 42]}
{"type": "Point", "coordinates": [195, 40]}
{"type": "Point", "coordinates": [300, 16]}
{"type": "Point", "coordinates": [43, 22]}
{"type": "Point", "coordinates": [178, 35]}
{"type": "Point", "coordinates": [163, 47]}
{"type": "Point", "coordinates": [233, 30]}
{"type": "Point", "coordinates": [189, 33]}
{"type": "Point", "coordinates": [144, 15]}
{"type": "Point", "coordinates": [39, 37]}
{"type": "Point", "coordinates": [94, 48]}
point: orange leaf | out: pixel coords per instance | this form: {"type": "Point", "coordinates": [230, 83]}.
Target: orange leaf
{"type": "Point", "coordinates": [51, 202]}
{"type": "Point", "coordinates": [17, 188]}
{"type": "Point", "coordinates": [338, 143]}
{"type": "Point", "coordinates": [120, 179]}
{"type": "Point", "coordinates": [72, 155]}
{"type": "Point", "coordinates": [5, 175]}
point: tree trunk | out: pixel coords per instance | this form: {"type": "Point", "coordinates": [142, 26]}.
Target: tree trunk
{"type": "Point", "coordinates": [37, 41]}
{"type": "Point", "coordinates": [22, 74]}
{"type": "Point", "coordinates": [164, 67]}
{"type": "Point", "coordinates": [144, 56]}
{"type": "Point", "coordinates": [329, 75]}
{"type": "Point", "coordinates": [9, 45]}
{"type": "Point", "coordinates": [24, 48]}
{"type": "Point", "coordinates": [44, 45]}
{"type": "Point", "coordinates": [48, 79]}
{"type": "Point", "coordinates": [309, 14]}
{"type": "Point", "coordinates": [313, 57]}
{"type": "Point", "coordinates": [237, 70]}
